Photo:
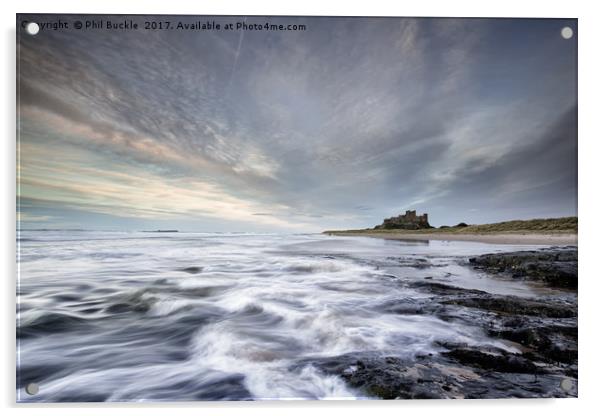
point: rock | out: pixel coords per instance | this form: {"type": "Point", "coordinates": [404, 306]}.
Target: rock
{"type": "Point", "coordinates": [515, 305]}
{"type": "Point", "coordinates": [501, 361]}
{"type": "Point", "coordinates": [546, 327]}
{"type": "Point", "coordinates": [550, 343]}
{"type": "Point", "coordinates": [542, 332]}
{"type": "Point", "coordinates": [410, 261]}
{"type": "Point", "coordinates": [556, 266]}
{"type": "Point", "coordinates": [443, 289]}
{"type": "Point", "coordinates": [191, 269]}
{"type": "Point", "coordinates": [459, 373]}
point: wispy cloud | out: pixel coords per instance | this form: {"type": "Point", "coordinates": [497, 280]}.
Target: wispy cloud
{"type": "Point", "coordinates": [27, 217]}
{"type": "Point", "coordinates": [340, 125]}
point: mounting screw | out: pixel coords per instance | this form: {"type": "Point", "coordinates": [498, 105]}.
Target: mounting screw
{"type": "Point", "coordinates": [32, 389]}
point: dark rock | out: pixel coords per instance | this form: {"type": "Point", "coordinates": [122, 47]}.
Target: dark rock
{"type": "Point", "coordinates": [443, 289]}
{"type": "Point", "coordinates": [546, 326]}
{"type": "Point", "coordinates": [550, 343]}
{"type": "Point", "coordinates": [414, 262]}
{"type": "Point", "coordinates": [515, 305]}
{"type": "Point", "coordinates": [543, 329]}
{"type": "Point", "coordinates": [557, 267]}
{"type": "Point", "coordinates": [191, 270]}
{"type": "Point", "coordinates": [413, 307]}
{"type": "Point", "coordinates": [462, 373]}
{"type": "Point", "coordinates": [500, 361]}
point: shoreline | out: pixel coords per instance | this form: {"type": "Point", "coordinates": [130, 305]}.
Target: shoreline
{"type": "Point", "coordinates": [493, 238]}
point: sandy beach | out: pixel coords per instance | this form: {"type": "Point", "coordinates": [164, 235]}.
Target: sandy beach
{"type": "Point", "coordinates": [499, 238]}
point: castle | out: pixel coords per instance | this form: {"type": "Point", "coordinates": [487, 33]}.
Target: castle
{"type": "Point", "coordinates": [409, 221]}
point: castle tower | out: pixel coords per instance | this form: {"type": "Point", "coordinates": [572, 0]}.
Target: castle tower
{"type": "Point", "coordinates": [407, 221]}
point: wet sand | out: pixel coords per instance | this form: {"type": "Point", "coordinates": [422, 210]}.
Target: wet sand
{"type": "Point", "coordinates": [501, 238]}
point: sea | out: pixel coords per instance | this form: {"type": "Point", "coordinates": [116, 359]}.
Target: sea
{"type": "Point", "coordinates": [143, 316]}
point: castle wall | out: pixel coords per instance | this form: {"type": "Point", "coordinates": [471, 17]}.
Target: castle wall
{"type": "Point", "coordinates": [408, 221]}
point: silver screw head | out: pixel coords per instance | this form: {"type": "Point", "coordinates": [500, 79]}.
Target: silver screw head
{"type": "Point", "coordinates": [32, 389]}
{"type": "Point", "coordinates": [32, 28]}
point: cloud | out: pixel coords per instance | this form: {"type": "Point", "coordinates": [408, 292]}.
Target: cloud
{"type": "Point", "coordinates": [27, 217]}
{"type": "Point", "coordinates": [340, 125]}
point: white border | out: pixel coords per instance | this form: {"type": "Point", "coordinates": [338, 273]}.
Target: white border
{"type": "Point", "coordinates": [590, 293]}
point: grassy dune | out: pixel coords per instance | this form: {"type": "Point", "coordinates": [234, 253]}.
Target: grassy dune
{"type": "Point", "coordinates": [565, 225]}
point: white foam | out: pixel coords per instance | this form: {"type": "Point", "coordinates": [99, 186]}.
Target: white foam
{"type": "Point", "coordinates": [283, 301]}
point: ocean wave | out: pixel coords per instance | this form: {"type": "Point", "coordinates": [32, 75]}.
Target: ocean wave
{"type": "Point", "coordinates": [222, 316]}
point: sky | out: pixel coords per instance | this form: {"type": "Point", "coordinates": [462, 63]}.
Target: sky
{"type": "Point", "coordinates": [334, 127]}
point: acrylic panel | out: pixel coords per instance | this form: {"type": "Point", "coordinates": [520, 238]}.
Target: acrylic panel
{"type": "Point", "coordinates": [263, 208]}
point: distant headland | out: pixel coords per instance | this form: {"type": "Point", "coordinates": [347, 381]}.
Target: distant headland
{"type": "Point", "coordinates": [410, 226]}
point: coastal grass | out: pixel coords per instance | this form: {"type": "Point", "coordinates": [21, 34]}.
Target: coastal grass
{"type": "Point", "coordinates": [564, 225]}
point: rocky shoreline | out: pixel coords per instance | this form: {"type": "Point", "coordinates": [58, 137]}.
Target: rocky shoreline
{"type": "Point", "coordinates": [555, 266]}
{"type": "Point", "coordinates": [542, 329]}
